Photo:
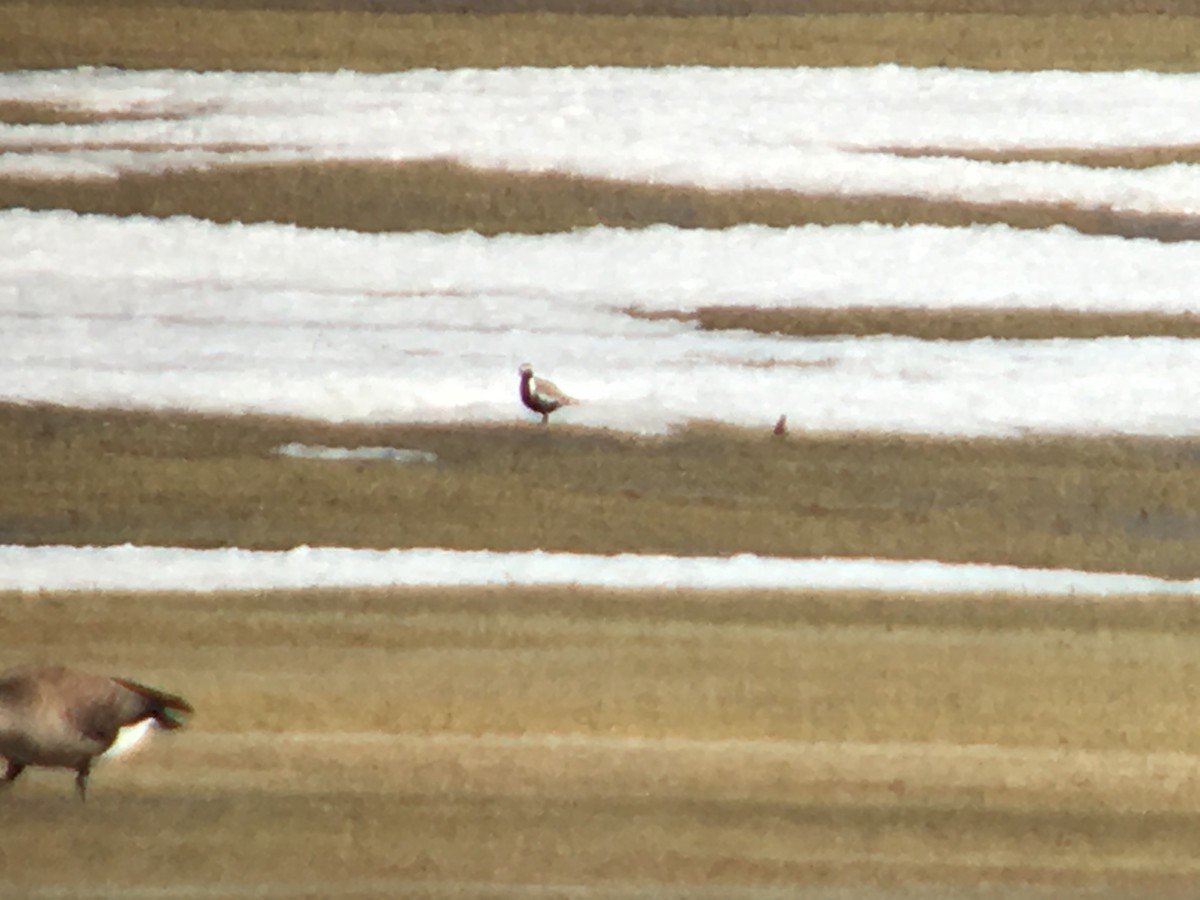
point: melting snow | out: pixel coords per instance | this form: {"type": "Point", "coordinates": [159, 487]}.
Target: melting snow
{"type": "Point", "coordinates": [172, 569]}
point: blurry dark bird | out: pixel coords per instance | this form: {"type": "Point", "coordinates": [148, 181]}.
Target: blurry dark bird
{"type": "Point", "coordinates": [62, 718]}
{"type": "Point", "coordinates": [781, 426]}
{"type": "Point", "coordinates": [540, 395]}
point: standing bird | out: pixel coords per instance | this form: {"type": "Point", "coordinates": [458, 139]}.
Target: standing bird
{"type": "Point", "coordinates": [59, 717]}
{"type": "Point", "coordinates": [540, 395]}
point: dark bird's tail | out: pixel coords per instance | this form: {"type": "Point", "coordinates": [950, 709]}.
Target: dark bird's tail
{"type": "Point", "coordinates": [168, 710]}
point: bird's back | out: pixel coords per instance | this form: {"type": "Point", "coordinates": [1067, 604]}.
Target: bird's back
{"type": "Point", "coordinates": [55, 716]}
{"type": "Point", "coordinates": [549, 392]}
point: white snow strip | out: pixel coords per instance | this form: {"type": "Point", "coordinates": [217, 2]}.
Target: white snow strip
{"type": "Point", "coordinates": [391, 454]}
{"type": "Point", "coordinates": [342, 326]}
{"type": "Point", "coordinates": [171, 569]}
{"type": "Point", "coordinates": [799, 129]}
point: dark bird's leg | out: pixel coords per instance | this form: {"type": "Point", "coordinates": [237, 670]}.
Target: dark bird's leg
{"type": "Point", "coordinates": [545, 418]}
{"type": "Point", "coordinates": [81, 779]}
{"type": "Point", "coordinates": [14, 769]}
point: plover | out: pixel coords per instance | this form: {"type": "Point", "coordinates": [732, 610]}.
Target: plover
{"type": "Point", "coordinates": [540, 395]}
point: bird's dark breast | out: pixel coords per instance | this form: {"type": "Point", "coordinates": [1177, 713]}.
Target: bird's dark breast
{"type": "Point", "coordinates": [533, 401]}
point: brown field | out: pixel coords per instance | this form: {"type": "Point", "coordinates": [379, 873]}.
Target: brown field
{"type": "Point", "coordinates": [514, 742]}
{"type": "Point", "coordinates": [522, 742]}
{"type": "Point", "coordinates": [448, 197]}
{"type": "Point", "coordinates": [76, 477]}
{"type": "Point", "coordinates": [578, 743]}
{"type": "Point", "coordinates": [1097, 157]}
{"type": "Point", "coordinates": [442, 34]}
{"type": "Point", "coordinates": [954, 324]}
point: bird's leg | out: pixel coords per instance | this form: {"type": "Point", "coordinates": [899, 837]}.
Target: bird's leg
{"type": "Point", "coordinates": [81, 779]}
{"type": "Point", "coordinates": [545, 418]}
{"type": "Point", "coordinates": [10, 775]}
